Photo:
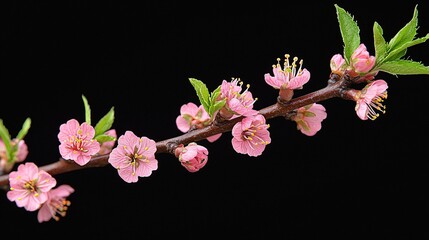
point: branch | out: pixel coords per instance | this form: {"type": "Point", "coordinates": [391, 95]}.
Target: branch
{"type": "Point", "coordinates": [333, 89]}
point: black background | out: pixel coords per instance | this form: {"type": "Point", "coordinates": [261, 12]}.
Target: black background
{"type": "Point", "coordinates": [353, 180]}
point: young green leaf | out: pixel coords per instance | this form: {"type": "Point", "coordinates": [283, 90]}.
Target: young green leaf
{"type": "Point", "coordinates": [380, 44]}
{"type": "Point", "coordinates": [406, 34]}
{"type": "Point", "coordinates": [24, 129]}
{"type": "Point", "coordinates": [202, 92]}
{"type": "Point", "coordinates": [215, 106]}
{"type": "Point", "coordinates": [214, 94]}
{"type": "Point", "coordinates": [404, 67]}
{"type": "Point", "coordinates": [388, 55]}
{"type": "Point", "coordinates": [5, 137]}
{"type": "Point", "coordinates": [399, 51]}
{"type": "Point", "coordinates": [87, 110]}
{"type": "Point", "coordinates": [349, 32]}
{"type": "Point", "coordinates": [104, 138]}
{"type": "Point", "coordinates": [105, 122]}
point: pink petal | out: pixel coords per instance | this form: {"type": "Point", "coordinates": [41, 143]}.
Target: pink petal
{"type": "Point", "coordinates": [299, 80]}
{"type": "Point", "coordinates": [87, 130]}
{"type": "Point", "coordinates": [61, 191]}
{"type": "Point", "coordinates": [145, 169]}
{"type": "Point", "coordinates": [127, 175]}
{"type": "Point", "coordinates": [214, 137]}
{"type": "Point", "coordinates": [68, 129]}
{"type": "Point", "coordinates": [44, 213]}
{"type": "Point", "coordinates": [129, 139]}
{"type": "Point", "coordinates": [182, 124]}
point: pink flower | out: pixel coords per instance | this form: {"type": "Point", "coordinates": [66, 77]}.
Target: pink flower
{"type": "Point", "coordinates": [288, 77]}
{"type": "Point", "coordinates": [337, 64]}
{"type": "Point", "coordinates": [20, 154]}
{"type": "Point", "coordinates": [56, 205]}
{"type": "Point", "coordinates": [194, 117]}
{"type": "Point", "coordinates": [309, 118]}
{"type": "Point", "coordinates": [106, 147]}
{"type": "Point", "coordinates": [361, 61]}
{"type": "Point", "coordinates": [237, 103]}
{"type": "Point", "coordinates": [370, 100]}
{"type": "Point", "coordinates": [193, 157]}
{"type": "Point", "coordinates": [250, 136]}
{"type": "Point", "coordinates": [134, 157]}
{"type": "Point", "coordinates": [77, 142]}
{"type": "Point", "coordinates": [191, 116]}
{"type": "Point", "coordinates": [29, 186]}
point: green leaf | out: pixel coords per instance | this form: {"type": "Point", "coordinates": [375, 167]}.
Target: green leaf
{"type": "Point", "coordinates": [202, 92]}
{"type": "Point", "coordinates": [24, 129]}
{"type": "Point", "coordinates": [400, 51]}
{"type": "Point", "coordinates": [105, 122]}
{"type": "Point", "coordinates": [104, 138]}
{"type": "Point", "coordinates": [5, 136]}
{"type": "Point", "coordinates": [349, 32]}
{"type": "Point", "coordinates": [404, 67]}
{"type": "Point", "coordinates": [406, 34]}
{"type": "Point", "coordinates": [380, 44]}
{"type": "Point", "coordinates": [214, 94]}
{"type": "Point", "coordinates": [87, 110]}
{"type": "Point", "coordinates": [215, 106]}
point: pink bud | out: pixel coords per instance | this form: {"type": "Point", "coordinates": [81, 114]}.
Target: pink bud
{"type": "Point", "coordinates": [361, 61]}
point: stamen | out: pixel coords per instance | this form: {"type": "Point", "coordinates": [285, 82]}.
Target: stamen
{"type": "Point", "coordinates": [376, 104]}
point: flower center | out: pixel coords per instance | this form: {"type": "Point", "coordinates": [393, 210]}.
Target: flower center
{"type": "Point", "coordinates": [290, 69]}
{"type": "Point", "coordinates": [31, 187]}
{"type": "Point", "coordinates": [375, 105]}
{"type": "Point", "coordinates": [58, 207]}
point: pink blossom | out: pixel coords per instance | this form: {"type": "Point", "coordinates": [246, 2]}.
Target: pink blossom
{"type": "Point", "coordinates": [361, 61]}
{"type": "Point", "coordinates": [288, 77]}
{"type": "Point", "coordinates": [237, 103]}
{"type": "Point", "coordinates": [370, 100]}
{"type": "Point", "coordinates": [337, 64]}
{"type": "Point", "coordinates": [251, 135]}
{"type": "Point", "coordinates": [193, 157]}
{"type": "Point", "coordinates": [194, 117]}
{"type": "Point", "coordinates": [29, 186]}
{"type": "Point", "coordinates": [20, 155]}
{"type": "Point", "coordinates": [191, 116]}
{"type": "Point", "coordinates": [56, 205]}
{"type": "Point", "coordinates": [77, 142]}
{"type": "Point", "coordinates": [309, 118]}
{"type": "Point", "coordinates": [134, 157]}
{"type": "Point", "coordinates": [106, 147]}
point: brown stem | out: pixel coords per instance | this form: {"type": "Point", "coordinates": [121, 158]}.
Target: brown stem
{"type": "Point", "coordinates": [333, 89]}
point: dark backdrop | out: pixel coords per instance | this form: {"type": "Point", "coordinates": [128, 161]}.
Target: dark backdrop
{"type": "Point", "coordinates": [353, 180]}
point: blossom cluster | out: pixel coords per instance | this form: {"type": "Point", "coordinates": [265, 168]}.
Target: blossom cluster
{"type": "Point", "coordinates": [133, 157]}
{"type": "Point", "coordinates": [369, 100]}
